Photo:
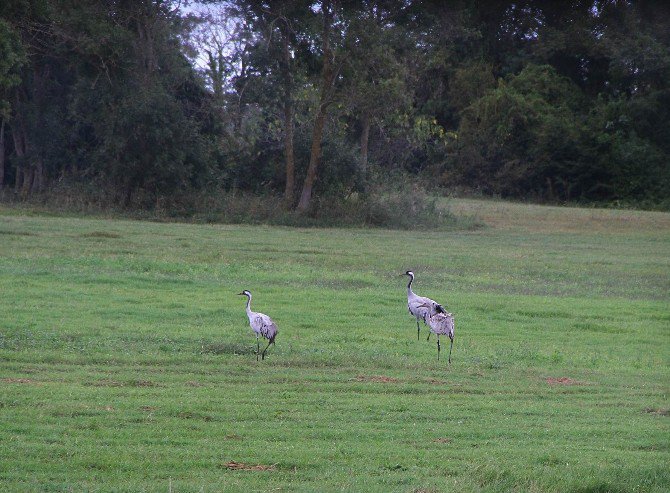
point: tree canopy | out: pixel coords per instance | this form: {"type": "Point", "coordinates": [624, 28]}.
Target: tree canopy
{"type": "Point", "coordinates": [149, 100]}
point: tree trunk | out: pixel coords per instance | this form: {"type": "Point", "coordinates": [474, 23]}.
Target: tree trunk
{"type": "Point", "coordinates": [18, 179]}
{"type": "Point", "coordinates": [19, 149]}
{"type": "Point", "coordinates": [237, 115]}
{"type": "Point", "coordinates": [288, 120]}
{"type": "Point", "coordinates": [328, 78]}
{"type": "Point", "coordinates": [39, 177]}
{"type": "Point", "coordinates": [288, 151]}
{"type": "Point", "coordinates": [33, 167]}
{"type": "Point", "coordinates": [2, 153]}
{"type": "Point", "coordinates": [365, 137]}
{"type": "Point", "coordinates": [215, 64]}
{"type": "Point", "coordinates": [28, 179]}
{"type": "Point", "coordinates": [314, 157]}
{"type": "Point", "coordinates": [146, 19]}
{"type": "Point", "coordinates": [550, 189]}
{"type": "Point", "coordinates": [127, 194]}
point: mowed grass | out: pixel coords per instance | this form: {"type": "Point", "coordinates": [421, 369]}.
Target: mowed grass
{"type": "Point", "coordinates": [126, 361]}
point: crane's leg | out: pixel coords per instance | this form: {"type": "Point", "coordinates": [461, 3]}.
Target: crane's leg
{"type": "Point", "coordinates": [428, 338]}
{"type": "Point", "coordinates": [438, 347]}
{"type": "Point", "coordinates": [450, 347]}
{"type": "Point", "coordinates": [418, 329]}
{"type": "Point", "coordinates": [258, 347]}
{"type": "Point", "coordinates": [266, 348]}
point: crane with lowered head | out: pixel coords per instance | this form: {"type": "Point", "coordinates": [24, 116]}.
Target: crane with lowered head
{"type": "Point", "coordinates": [442, 324]}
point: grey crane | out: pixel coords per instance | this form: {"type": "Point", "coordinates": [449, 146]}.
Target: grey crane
{"type": "Point", "coordinates": [419, 306]}
{"type": "Point", "coordinates": [261, 324]}
{"type": "Point", "coordinates": [442, 324]}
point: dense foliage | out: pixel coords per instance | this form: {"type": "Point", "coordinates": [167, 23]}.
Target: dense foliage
{"type": "Point", "coordinates": [147, 102]}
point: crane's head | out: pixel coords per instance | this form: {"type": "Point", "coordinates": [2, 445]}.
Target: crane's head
{"type": "Point", "coordinates": [244, 293]}
{"type": "Point", "coordinates": [409, 273]}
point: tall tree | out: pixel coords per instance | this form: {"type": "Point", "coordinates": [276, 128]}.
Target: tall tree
{"type": "Point", "coordinates": [12, 57]}
{"type": "Point", "coordinates": [377, 79]}
{"type": "Point", "coordinates": [328, 74]}
{"type": "Point", "coordinates": [289, 108]}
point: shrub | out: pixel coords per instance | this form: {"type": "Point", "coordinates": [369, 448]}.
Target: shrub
{"type": "Point", "coordinates": [405, 205]}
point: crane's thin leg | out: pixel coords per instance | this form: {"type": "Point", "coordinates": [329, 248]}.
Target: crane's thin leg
{"type": "Point", "coordinates": [438, 347]}
{"type": "Point", "coordinates": [428, 338]}
{"type": "Point", "coordinates": [450, 347]}
{"type": "Point", "coordinates": [258, 347]}
{"type": "Point", "coordinates": [418, 329]}
{"type": "Point", "coordinates": [266, 348]}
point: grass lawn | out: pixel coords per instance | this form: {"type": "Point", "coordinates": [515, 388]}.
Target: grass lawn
{"type": "Point", "coordinates": [126, 361]}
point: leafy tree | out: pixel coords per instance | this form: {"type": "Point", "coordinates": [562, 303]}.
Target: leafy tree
{"type": "Point", "coordinates": [521, 137]}
{"type": "Point", "coordinates": [143, 100]}
{"type": "Point", "coordinates": [376, 78]}
{"type": "Point", "coordinates": [12, 57]}
{"type": "Point", "coordinates": [329, 72]}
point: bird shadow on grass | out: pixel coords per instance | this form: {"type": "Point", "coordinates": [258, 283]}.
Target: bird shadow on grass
{"type": "Point", "coordinates": [227, 348]}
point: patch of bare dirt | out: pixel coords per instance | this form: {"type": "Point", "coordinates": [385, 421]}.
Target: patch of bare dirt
{"type": "Point", "coordinates": [148, 408]}
{"type": "Point", "coordinates": [563, 381]}
{"type": "Point", "coordinates": [233, 436]}
{"type": "Point", "coordinates": [241, 466]}
{"type": "Point", "coordinates": [376, 379]}
{"type": "Point", "coordinates": [192, 415]}
{"type": "Point", "coordinates": [143, 383]}
{"type": "Point", "coordinates": [100, 234]}
{"type": "Point", "coordinates": [26, 381]}
{"type": "Point", "coordinates": [442, 440]}
{"type": "Point", "coordinates": [105, 383]}
{"type": "Point", "coordinates": [434, 381]}
{"type": "Point", "coordinates": [657, 412]}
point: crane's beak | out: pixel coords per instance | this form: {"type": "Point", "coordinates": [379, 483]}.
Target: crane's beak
{"type": "Point", "coordinates": [241, 294]}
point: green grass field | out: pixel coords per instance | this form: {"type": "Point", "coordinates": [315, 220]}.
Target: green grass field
{"type": "Point", "coordinates": [126, 361]}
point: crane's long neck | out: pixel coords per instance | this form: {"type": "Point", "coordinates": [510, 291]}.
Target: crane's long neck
{"type": "Point", "coordinates": [249, 305]}
{"type": "Point", "coordinates": [409, 286]}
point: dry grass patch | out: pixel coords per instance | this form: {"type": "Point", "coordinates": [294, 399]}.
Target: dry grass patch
{"type": "Point", "coordinates": [100, 234]}
{"type": "Point", "coordinates": [105, 383]}
{"type": "Point", "coordinates": [563, 381]}
{"type": "Point", "coordinates": [554, 219]}
{"type": "Point", "coordinates": [376, 379]}
{"type": "Point", "coordinates": [25, 381]}
{"type": "Point", "coordinates": [657, 412]}
{"type": "Point", "coordinates": [241, 466]}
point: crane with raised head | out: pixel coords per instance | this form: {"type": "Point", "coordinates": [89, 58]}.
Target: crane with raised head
{"type": "Point", "coordinates": [419, 306]}
{"type": "Point", "coordinates": [261, 324]}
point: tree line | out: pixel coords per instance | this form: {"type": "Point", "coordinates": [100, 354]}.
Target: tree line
{"type": "Point", "coordinates": [147, 101]}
